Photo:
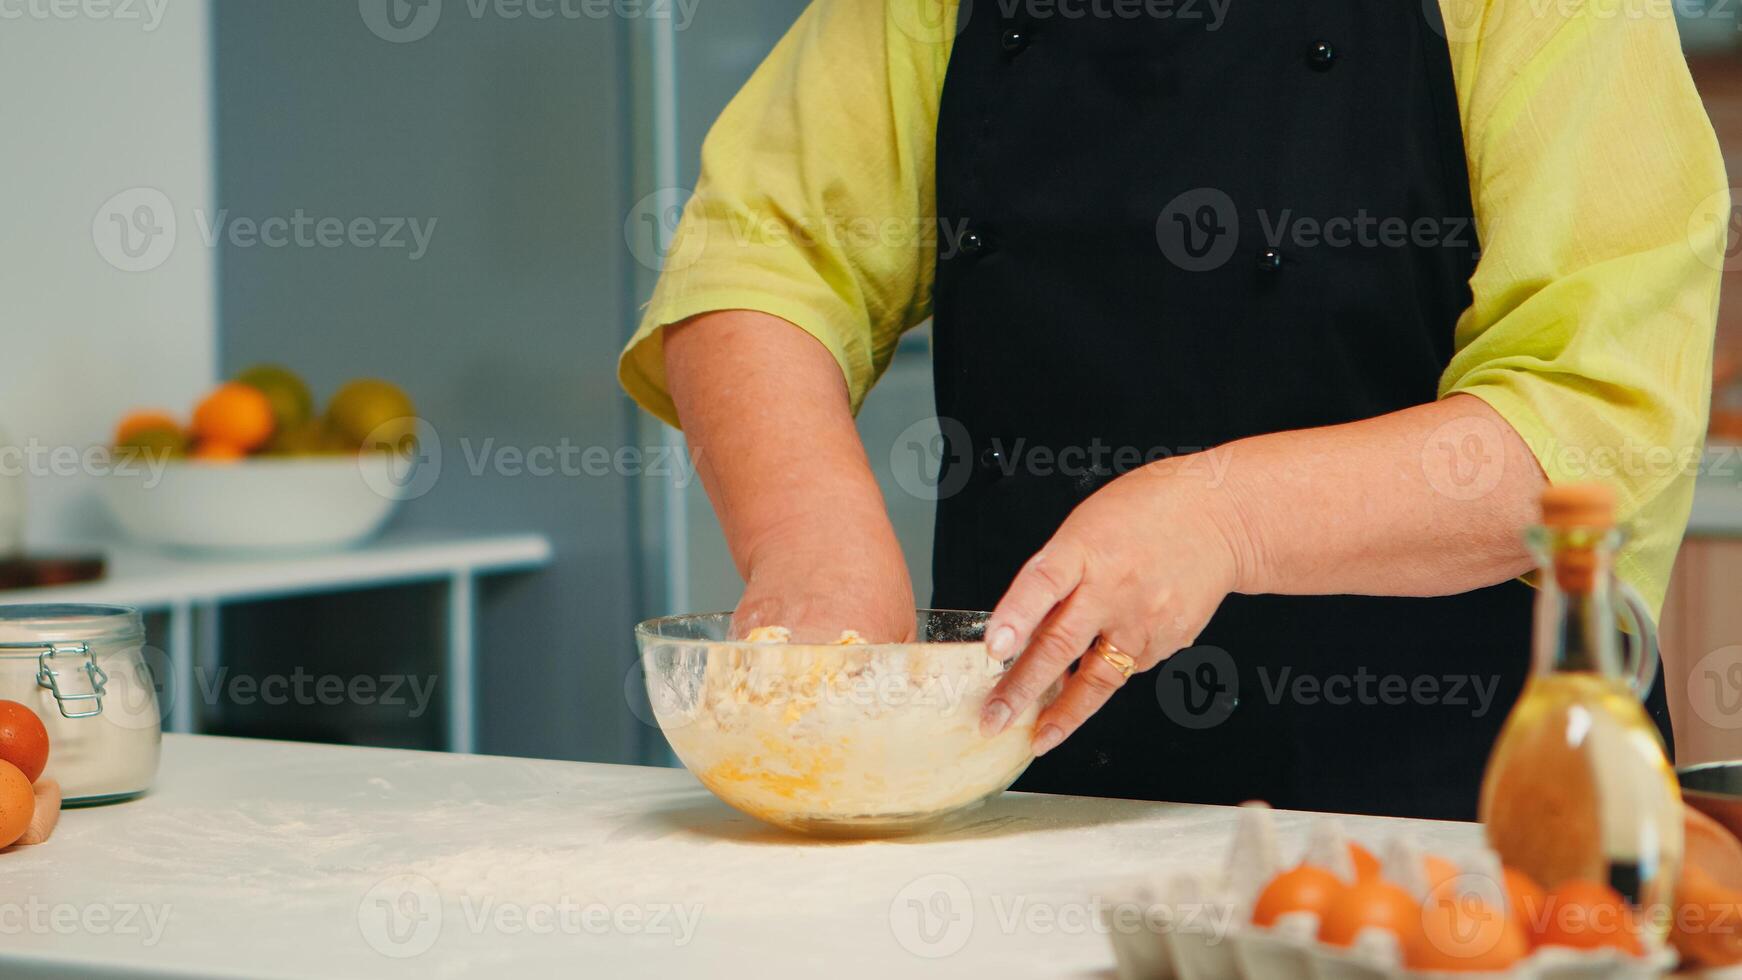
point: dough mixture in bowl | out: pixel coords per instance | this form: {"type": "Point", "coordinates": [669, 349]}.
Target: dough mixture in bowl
{"type": "Point", "coordinates": [839, 738]}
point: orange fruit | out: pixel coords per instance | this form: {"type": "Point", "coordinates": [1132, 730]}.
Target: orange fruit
{"type": "Point", "coordinates": [17, 804]}
{"type": "Point", "coordinates": [1464, 934]}
{"type": "Point", "coordinates": [235, 414]}
{"type": "Point", "coordinates": [133, 424]}
{"type": "Point", "coordinates": [1304, 889]}
{"type": "Point", "coordinates": [1372, 903]}
{"type": "Point", "coordinates": [1587, 914]}
{"type": "Point", "coordinates": [1525, 900]}
{"type": "Point", "coordinates": [1705, 930]}
{"type": "Point", "coordinates": [213, 451]}
{"type": "Point", "coordinates": [23, 739]}
{"type": "Point", "coordinates": [1366, 865]}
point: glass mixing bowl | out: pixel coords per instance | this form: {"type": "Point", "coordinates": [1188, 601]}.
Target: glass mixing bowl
{"type": "Point", "coordinates": [866, 740]}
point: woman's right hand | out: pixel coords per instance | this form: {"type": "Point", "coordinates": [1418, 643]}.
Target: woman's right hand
{"type": "Point", "coordinates": [832, 579]}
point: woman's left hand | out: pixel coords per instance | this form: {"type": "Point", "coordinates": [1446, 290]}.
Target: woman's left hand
{"type": "Point", "coordinates": [1142, 564]}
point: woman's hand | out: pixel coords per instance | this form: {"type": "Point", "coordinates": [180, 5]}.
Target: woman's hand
{"type": "Point", "coordinates": [822, 581]}
{"type": "Point", "coordinates": [1141, 564]}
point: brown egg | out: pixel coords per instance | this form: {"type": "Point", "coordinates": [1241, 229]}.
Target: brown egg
{"type": "Point", "coordinates": [17, 803]}
{"type": "Point", "coordinates": [1589, 915]}
{"type": "Point", "coordinates": [1465, 936]}
{"type": "Point", "coordinates": [1371, 904]}
{"type": "Point", "coordinates": [1708, 921]}
{"type": "Point", "coordinates": [1307, 888]}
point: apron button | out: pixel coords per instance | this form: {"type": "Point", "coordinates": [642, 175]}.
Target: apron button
{"type": "Point", "coordinates": [974, 243]}
{"type": "Point", "coordinates": [991, 460]}
{"type": "Point", "coordinates": [1270, 260]}
{"type": "Point", "coordinates": [1014, 40]}
{"type": "Point", "coordinates": [1321, 55]}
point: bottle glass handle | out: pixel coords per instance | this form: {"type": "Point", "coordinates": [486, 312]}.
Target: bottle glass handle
{"type": "Point", "coordinates": [1639, 639]}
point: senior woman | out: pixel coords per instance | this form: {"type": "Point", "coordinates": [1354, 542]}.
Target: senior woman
{"type": "Point", "coordinates": [1258, 329]}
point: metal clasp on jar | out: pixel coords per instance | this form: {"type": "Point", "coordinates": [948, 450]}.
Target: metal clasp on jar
{"type": "Point", "coordinates": [48, 677]}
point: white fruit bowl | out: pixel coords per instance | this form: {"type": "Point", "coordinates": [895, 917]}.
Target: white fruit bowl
{"type": "Point", "coordinates": [264, 504]}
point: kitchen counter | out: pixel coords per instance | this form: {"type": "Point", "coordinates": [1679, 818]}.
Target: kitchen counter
{"type": "Point", "coordinates": [274, 859]}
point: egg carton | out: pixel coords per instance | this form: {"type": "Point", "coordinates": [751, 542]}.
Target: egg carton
{"type": "Point", "coordinates": [1195, 924]}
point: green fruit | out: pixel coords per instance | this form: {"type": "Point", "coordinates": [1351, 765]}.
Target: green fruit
{"type": "Point", "coordinates": [292, 404]}
{"type": "Point", "coordinates": [312, 438]}
{"type": "Point", "coordinates": [373, 414]}
{"type": "Point", "coordinates": [152, 444]}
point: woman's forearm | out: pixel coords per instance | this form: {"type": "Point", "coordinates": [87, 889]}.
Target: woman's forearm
{"type": "Point", "coordinates": [1427, 501]}
{"type": "Point", "coordinates": [765, 409]}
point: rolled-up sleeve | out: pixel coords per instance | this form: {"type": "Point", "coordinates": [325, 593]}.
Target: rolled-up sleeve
{"type": "Point", "coordinates": [1602, 206]}
{"type": "Point", "coordinates": [815, 194]}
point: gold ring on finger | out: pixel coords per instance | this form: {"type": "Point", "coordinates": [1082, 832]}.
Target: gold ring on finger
{"type": "Point", "coordinates": [1120, 661]}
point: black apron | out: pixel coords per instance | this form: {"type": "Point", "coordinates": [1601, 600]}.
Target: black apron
{"type": "Point", "coordinates": [1159, 234]}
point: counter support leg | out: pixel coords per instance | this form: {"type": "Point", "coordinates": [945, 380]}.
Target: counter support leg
{"type": "Point", "coordinates": [182, 688]}
{"type": "Point", "coordinates": [461, 674]}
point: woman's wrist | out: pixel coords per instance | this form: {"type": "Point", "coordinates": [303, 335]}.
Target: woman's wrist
{"type": "Point", "coordinates": [1217, 499]}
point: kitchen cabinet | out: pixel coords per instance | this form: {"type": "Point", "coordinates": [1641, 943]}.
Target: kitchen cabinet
{"type": "Point", "coordinates": [277, 859]}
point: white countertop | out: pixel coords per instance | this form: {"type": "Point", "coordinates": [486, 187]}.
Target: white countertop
{"type": "Point", "coordinates": [273, 859]}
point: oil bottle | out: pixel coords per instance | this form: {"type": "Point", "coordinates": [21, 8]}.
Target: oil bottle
{"type": "Point", "coordinates": [1578, 785]}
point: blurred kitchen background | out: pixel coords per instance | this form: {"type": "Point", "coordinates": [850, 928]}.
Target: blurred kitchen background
{"type": "Point", "coordinates": [542, 157]}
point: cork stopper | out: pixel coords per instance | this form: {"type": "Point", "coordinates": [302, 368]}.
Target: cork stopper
{"type": "Point", "coordinates": [1578, 505]}
{"type": "Point", "coordinates": [1589, 506]}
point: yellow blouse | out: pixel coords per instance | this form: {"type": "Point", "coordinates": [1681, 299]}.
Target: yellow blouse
{"type": "Point", "coordinates": [1600, 198]}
